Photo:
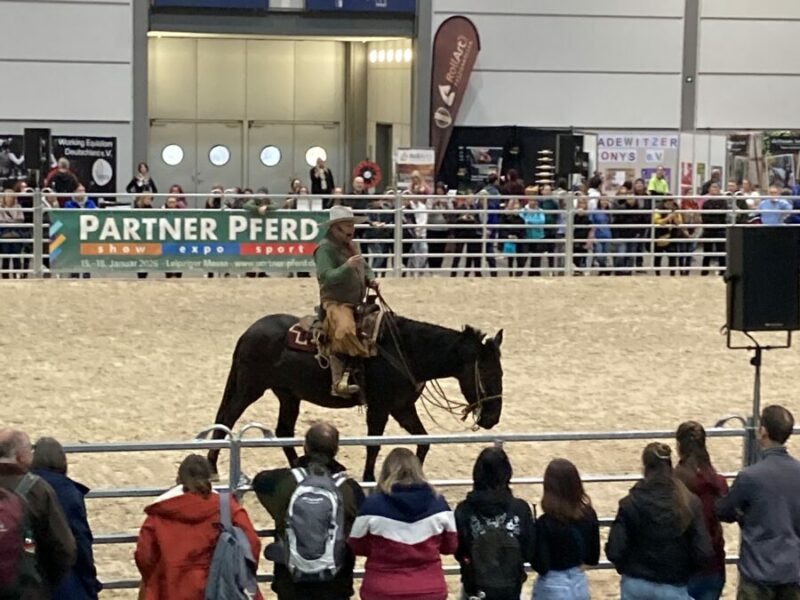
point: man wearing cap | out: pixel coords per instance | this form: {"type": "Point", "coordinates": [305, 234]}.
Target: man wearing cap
{"type": "Point", "coordinates": [343, 278]}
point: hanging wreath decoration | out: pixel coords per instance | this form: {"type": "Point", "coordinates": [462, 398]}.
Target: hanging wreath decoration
{"type": "Point", "coordinates": [369, 171]}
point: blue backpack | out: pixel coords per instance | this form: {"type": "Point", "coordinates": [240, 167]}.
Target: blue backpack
{"type": "Point", "coordinates": [232, 575]}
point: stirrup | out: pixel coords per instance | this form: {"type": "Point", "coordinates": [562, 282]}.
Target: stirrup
{"type": "Point", "coordinates": [345, 390]}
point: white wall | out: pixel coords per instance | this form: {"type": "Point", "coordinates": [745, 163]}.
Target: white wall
{"type": "Point", "coordinates": [580, 63]}
{"type": "Point", "coordinates": [748, 76]}
{"type": "Point", "coordinates": [67, 65]}
{"type": "Point", "coordinates": [389, 95]}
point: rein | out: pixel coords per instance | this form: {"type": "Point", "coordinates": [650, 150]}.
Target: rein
{"type": "Point", "coordinates": [431, 392]}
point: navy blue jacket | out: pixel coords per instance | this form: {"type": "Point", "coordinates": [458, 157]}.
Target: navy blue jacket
{"type": "Point", "coordinates": [81, 583]}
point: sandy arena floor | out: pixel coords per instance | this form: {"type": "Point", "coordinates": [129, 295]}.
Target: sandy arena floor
{"type": "Point", "coordinates": [103, 361]}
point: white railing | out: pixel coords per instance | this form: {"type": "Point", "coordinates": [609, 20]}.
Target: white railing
{"type": "Point", "coordinates": [473, 235]}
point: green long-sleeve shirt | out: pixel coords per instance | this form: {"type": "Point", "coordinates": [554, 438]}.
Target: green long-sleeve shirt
{"type": "Point", "coordinates": [339, 281]}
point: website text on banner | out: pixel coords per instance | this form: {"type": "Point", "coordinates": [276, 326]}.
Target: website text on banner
{"type": "Point", "coordinates": [113, 241]}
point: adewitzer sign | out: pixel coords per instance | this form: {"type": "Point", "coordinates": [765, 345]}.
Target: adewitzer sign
{"type": "Point", "coordinates": [455, 49]}
{"type": "Point", "coordinates": [112, 241]}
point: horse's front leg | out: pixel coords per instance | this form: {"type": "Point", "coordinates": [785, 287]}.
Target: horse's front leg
{"type": "Point", "coordinates": [287, 419]}
{"type": "Point", "coordinates": [376, 425]}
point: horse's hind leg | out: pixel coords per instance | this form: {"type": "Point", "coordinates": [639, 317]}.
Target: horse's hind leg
{"type": "Point", "coordinates": [287, 419]}
{"type": "Point", "coordinates": [408, 419]}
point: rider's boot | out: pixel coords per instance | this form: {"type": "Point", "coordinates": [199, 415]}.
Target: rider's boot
{"type": "Point", "coordinates": [340, 376]}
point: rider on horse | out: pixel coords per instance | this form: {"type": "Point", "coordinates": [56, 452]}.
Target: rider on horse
{"type": "Point", "coordinates": [344, 278]}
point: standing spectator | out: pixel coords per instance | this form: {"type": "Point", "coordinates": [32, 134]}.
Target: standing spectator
{"type": "Point", "coordinates": [177, 540]}
{"type": "Point", "coordinates": [582, 226]}
{"type": "Point", "coordinates": [600, 234]}
{"type": "Point", "coordinates": [534, 219]}
{"type": "Point", "coordinates": [274, 489]}
{"type": "Point", "coordinates": [699, 476]}
{"type": "Point", "coordinates": [658, 539]}
{"type": "Point", "coordinates": [61, 179]}
{"type": "Point", "coordinates": [467, 228]}
{"type": "Point", "coordinates": [491, 205]}
{"type": "Point", "coordinates": [646, 202]}
{"type": "Point", "coordinates": [419, 210]}
{"type": "Point", "coordinates": [378, 235]}
{"type": "Point", "coordinates": [50, 463]}
{"type": "Point", "coordinates": [11, 217]}
{"type": "Point", "coordinates": [594, 192]}
{"type": "Point", "coordinates": [716, 177]}
{"type": "Point", "coordinates": [53, 554]}
{"type": "Point", "coordinates": [142, 183]}
{"type": "Point", "coordinates": [492, 563]}
{"type": "Point", "coordinates": [513, 231]}
{"type": "Point", "coordinates": [403, 529]}
{"type": "Point", "coordinates": [765, 501]}
{"type": "Point", "coordinates": [321, 178]}
{"type": "Point", "coordinates": [25, 201]}
{"type": "Point", "coordinates": [359, 189]}
{"type": "Point", "coordinates": [626, 235]}
{"type": "Point", "coordinates": [513, 186]}
{"type": "Point", "coordinates": [714, 219]}
{"type": "Point", "coordinates": [567, 536]}
{"type": "Point", "coordinates": [80, 200]}
{"type": "Point", "coordinates": [732, 187]}
{"type": "Point", "coordinates": [658, 185]}
{"type": "Point", "coordinates": [774, 209]}
{"type": "Point", "coordinates": [177, 191]}
{"type": "Point", "coordinates": [692, 227]}
{"type": "Point", "coordinates": [668, 222]}
{"type": "Point", "coordinates": [549, 204]}
{"type": "Point", "coordinates": [437, 226]}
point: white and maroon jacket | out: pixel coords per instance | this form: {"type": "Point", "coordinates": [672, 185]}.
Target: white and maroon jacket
{"type": "Point", "coordinates": [403, 536]}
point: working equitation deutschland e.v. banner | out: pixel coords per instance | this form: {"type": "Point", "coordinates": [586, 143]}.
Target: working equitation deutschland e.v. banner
{"type": "Point", "coordinates": [113, 241]}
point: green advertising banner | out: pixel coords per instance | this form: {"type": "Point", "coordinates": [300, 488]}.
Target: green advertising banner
{"type": "Point", "coordinates": [113, 241]}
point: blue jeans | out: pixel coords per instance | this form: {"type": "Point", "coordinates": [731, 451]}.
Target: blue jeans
{"type": "Point", "coordinates": [641, 589]}
{"type": "Point", "coordinates": [706, 587]}
{"type": "Point", "coordinates": [601, 247]}
{"type": "Point", "coordinates": [562, 585]}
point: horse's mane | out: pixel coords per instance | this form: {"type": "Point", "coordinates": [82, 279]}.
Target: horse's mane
{"type": "Point", "coordinates": [439, 339]}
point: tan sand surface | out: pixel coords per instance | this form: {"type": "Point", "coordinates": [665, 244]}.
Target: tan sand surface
{"type": "Point", "coordinates": [99, 361]}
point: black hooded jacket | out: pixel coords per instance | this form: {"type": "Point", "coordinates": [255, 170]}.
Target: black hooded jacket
{"type": "Point", "coordinates": [487, 504]}
{"type": "Point", "coordinates": [647, 540]}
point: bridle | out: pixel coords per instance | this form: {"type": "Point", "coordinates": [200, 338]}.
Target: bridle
{"type": "Point", "coordinates": [431, 392]}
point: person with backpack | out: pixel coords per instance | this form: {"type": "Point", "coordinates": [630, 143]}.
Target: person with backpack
{"type": "Point", "coordinates": [495, 531]}
{"type": "Point", "coordinates": [50, 463]}
{"type": "Point", "coordinates": [402, 529]}
{"type": "Point", "coordinates": [37, 549]}
{"type": "Point", "coordinates": [567, 535]}
{"type": "Point", "coordinates": [305, 503]}
{"type": "Point", "coordinates": [658, 539]}
{"type": "Point", "coordinates": [699, 476]}
{"type": "Point", "coordinates": [196, 544]}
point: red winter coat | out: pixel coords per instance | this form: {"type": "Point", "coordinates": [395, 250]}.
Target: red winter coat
{"type": "Point", "coordinates": [177, 541]}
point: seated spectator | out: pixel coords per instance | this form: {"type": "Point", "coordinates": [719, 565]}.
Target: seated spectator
{"type": "Point", "coordinates": [699, 476]}
{"type": "Point", "coordinates": [144, 201]}
{"type": "Point", "coordinates": [53, 556]}
{"type": "Point", "coordinates": [274, 489]}
{"type": "Point", "coordinates": [765, 501]}
{"type": "Point", "coordinates": [142, 183]}
{"type": "Point", "coordinates": [658, 539]}
{"type": "Point", "coordinates": [490, 564]}
{"type": "Point", "coordinates": [50, 463]}
{"type": "Point", "coordinates": [403, 529]}
{"type": "Point", "coordinates": [215, 200]}
{"type": "Point", "coordinates": [774, 209]}
{"type": "Point", "coordinates": [177, 191]}
{"type": "Point", "coordinates": [178, 537]}
{"type": "Point", "coordinates": [80, 199]}
{"type": "Point", "coordinates": [567, 535]}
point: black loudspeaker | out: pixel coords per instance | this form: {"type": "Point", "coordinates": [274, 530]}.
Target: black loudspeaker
{"type": "Point", "coordinates": [568, 150]}
{"type": "Point", "coordinates": [763, 278]}
{"type": "Point", "coordinates": [37, 149]}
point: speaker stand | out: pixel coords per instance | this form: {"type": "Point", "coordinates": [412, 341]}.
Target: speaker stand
{"type": "Point", "coordinates": [752, 451]}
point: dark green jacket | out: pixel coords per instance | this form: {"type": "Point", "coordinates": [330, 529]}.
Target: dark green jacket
{"type": "Point", "coordinates": [274, 489]}
{"type": "Point", "coordinates": [337, 280]}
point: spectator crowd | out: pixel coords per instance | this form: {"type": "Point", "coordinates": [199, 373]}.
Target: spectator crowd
{"type": "Point", "coordinates": [666, 540]}
{"type": "Point", "coordinates": [503, 225]}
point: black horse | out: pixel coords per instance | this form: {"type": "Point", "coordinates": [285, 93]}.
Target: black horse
{"type": "Point", "coordinates": [410, 354]}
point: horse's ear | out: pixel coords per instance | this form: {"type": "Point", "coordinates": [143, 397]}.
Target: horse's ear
{"type": "Point", "coordinates": [498, 339]}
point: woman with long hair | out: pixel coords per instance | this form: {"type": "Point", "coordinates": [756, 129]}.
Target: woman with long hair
{"type": "Point", "coordinates": [178, 537]}
{"type": "Point", "coordinates": [487, 567]}
{"type": "Point", "coordinates": [403, 529]}
{"type": "Point", "coordinates": [11, 217]}
{"type": "Point", "coordinates": [658, 539]}
{"type": "Point", "coordinates": [567, 535]}
{"type": "Point", "coordinates": [701, 478]}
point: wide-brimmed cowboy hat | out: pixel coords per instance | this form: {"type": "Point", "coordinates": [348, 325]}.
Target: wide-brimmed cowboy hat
{"type": "Point", "coordinates": [342, 214]}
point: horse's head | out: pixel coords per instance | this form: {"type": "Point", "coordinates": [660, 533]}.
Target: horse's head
{"type": "Point", "coordinates": [481, 379]}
